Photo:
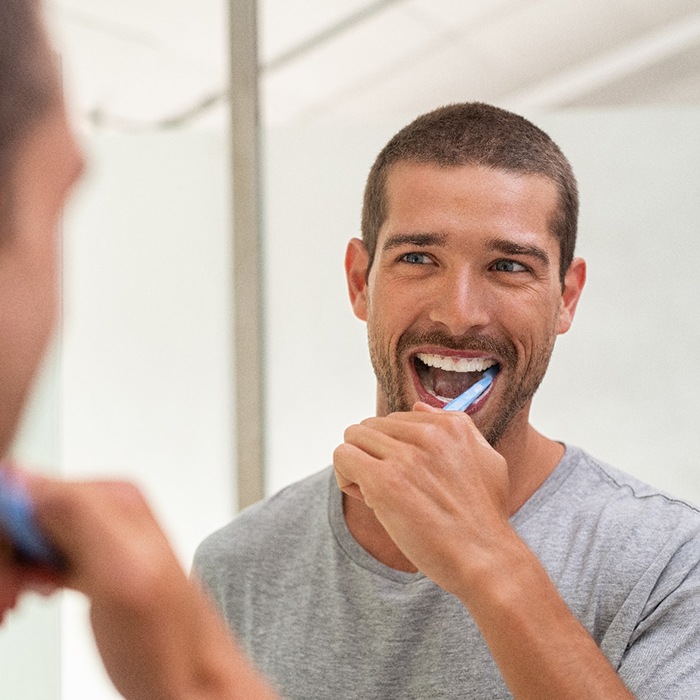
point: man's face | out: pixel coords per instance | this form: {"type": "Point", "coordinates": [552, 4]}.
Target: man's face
{"type": "Point", "coordinates": [465, 275]}
{"type": "Point", "coordinates": [48, 164]}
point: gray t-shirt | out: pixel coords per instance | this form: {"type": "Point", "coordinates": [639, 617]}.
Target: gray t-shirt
{"type": "Point", "coordinates": [325, 620]}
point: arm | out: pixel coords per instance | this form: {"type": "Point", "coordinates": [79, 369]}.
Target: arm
{"type": "Point", "coordinates": [157, 633]}
{"type": "Point", "coordinates": [441, 493]}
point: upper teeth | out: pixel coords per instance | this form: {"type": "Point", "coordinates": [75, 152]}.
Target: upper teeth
{"type": "Point", "coordinates": [456, 364]}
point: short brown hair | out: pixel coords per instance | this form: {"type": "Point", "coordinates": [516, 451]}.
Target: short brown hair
{"type": "Point", "coordinates": [474, 133]}
{"type": "Point", "coordinates": [28, 84]}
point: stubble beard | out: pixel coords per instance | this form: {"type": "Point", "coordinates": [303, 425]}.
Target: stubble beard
{"type": "Point", "coordinates": [394, 382]}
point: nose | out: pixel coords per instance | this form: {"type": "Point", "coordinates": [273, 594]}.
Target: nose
{"type": "Point", "coordinates": [460, 303]}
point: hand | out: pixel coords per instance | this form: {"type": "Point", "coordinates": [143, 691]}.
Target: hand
{"type": "Point", "coordinates": [441, 493]}
{"type": "Point", "coordinates": [157, 633]}
{"type": "Point", "coordinates": [15, 579]}
{"type": "Point", "coordinates": [16, 574]}
{"type": "Point", "coordinates": [436, 486]}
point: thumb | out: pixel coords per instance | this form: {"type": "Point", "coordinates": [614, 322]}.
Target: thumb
{"type": "Point", "coordinates": [425, 407]}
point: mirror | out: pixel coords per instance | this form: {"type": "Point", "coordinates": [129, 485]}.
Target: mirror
{"type": "Point", "coordinates": [615, 84]}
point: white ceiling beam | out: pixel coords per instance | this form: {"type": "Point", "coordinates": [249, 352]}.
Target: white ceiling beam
{"type": "Point", "coordinates": [328, 34]}
{"type": "Point", "coordinates": [606, 68]}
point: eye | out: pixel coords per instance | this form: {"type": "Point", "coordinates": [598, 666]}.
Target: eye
{"type": "Point", "coordinates": [416, 258]}
{"type": "Point", "coordinates": [509, 266]}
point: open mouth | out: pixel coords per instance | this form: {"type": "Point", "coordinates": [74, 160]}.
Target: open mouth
{"type": "Point", "coordinates": [446, 377]}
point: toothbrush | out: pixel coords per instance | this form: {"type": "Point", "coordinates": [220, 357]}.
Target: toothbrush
{"type": "Point", "coordinates": [466, 399]}
{"type": "Point", "coordinates": [19, 525]}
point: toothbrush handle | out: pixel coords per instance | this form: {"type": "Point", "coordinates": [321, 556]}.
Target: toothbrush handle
{"type": "Point", "coordinates": [19, 525]}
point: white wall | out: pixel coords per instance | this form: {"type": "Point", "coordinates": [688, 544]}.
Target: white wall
{"type": "Point", "coordinates": [146, 359]}
{"type": "Point", "coordinates": [624, 383]}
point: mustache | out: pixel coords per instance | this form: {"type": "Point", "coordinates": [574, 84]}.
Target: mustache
{"type": "Point", "coordinates": [475, 342]}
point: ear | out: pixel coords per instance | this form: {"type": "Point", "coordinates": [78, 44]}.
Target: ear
{"type": "Point", "coordinates": [574, 280]}
{"type": "Point", "coordinates": [356, 263]}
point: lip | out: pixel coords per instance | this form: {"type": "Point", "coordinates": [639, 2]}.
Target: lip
{"type": "Point", "coordinates": [431, 400]}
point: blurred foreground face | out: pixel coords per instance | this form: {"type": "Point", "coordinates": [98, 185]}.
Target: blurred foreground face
{"type": "Point", "coordinates": [47, 165]}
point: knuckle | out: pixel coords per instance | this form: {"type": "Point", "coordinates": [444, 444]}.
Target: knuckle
{"type": "Point", "coordinates": [339, 454]}
{"type": "Point", "coordinates": [350, 432]}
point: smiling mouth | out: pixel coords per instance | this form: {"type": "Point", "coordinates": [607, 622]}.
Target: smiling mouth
{"type": "Point", "coordinates": [446, 377]}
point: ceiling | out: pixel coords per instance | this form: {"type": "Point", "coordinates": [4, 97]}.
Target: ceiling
{"type": "Point", "coordinates": [141, 64]}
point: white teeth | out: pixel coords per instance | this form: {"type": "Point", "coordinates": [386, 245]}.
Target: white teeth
{"type": "Point", "coordinates": [456, 364]}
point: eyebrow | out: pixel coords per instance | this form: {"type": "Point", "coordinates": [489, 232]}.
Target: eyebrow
{"type": "Point", "coordinates": [507, 247]}
{"type": "Point", "coordinates": [415, 239]}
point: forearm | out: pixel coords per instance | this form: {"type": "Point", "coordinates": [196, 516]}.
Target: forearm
{"type": "Point", "coordinates": [223, 672]}
{"type": "Point", "coordinates": [541, 649]}
{"type": "Point", "coordinates": [179, 650]}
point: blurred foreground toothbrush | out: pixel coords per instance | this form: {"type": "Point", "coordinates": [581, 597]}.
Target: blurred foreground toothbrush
{"type": "Point", "coordinates": [466, 399]}
{"type": "Point", "coordinates": [19, 526]}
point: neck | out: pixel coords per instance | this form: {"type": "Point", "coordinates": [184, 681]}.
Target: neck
{"type": "Point", "coordinates": [531, 458]}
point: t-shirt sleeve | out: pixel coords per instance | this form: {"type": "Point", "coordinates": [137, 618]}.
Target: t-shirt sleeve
{"type": "Point", "coordinates": [662, 660]}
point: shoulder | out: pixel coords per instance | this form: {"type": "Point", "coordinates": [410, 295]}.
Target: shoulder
{"type": "Point", "coordinates": [609, 540]}
{"type": "Point", "coordinates": [628, 511]}
{"type": "Point", "coordinates": [626, 492]}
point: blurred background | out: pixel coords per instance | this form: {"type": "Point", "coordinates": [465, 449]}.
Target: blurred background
{"type": "Point", "coordinates": [140, 382]}
{"type": "Point", "coordinates": [140, 64]}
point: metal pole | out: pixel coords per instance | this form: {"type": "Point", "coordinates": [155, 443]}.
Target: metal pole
{"type": "Point", "coordinates": [247, 258]}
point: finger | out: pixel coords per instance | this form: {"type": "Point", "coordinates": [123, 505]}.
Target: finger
{"type": "Point", "coordinates": [419, 406]}
{"type": "Point", "coordinates": [347, 486]}
{"type": "Point", "coordinates": [423, 415]}
{"type": "Point", "coordinates": [7, 551]}
{"type": "Point", "coordinates": [10, 590]}
{"type": "Point", "coordinates": [377, 440]}
{"type": "Point", "coordinates": [353, 491]}
{"type": "Point", "coordinates": [418, 427]}
{"type": "Point", "coordinates": [353, 467]}
{"type": "Point", "coordinates": [83, 518]}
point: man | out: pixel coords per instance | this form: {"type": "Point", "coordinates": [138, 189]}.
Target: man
{"type": "Point", "coordinates": [158, 636]}
{"type": "Point", "coordinates": [464, 555]}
